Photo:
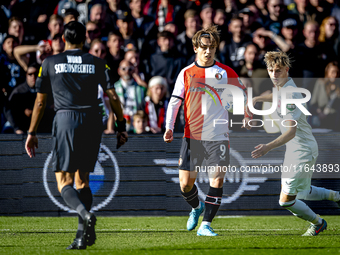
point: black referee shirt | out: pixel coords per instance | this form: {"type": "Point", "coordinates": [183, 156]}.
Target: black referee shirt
{"type": "Point", "coordinates": [74, 77]}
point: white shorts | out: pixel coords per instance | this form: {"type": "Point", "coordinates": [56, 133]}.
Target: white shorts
{"type": "Point", "coordinates": [297, 180]}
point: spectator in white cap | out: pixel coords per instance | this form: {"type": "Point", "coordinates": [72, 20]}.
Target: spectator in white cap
{"type": "Point", "coordinates": [156, 104]}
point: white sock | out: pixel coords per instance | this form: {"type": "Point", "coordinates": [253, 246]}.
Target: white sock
{"type": "Point", "coordinates": [315, 194]}
{"type": "Point", "coordinates": [334, 196]}
{"type": "Point", "coordinates": [206, 223]}
{"type": "Point", "coordinates": [301, 210]}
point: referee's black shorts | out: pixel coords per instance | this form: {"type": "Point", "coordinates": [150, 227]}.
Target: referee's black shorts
{"type": "Point", "coordinates": [193, 152]}
{"type": "Point", "coordinates": [76, 140]}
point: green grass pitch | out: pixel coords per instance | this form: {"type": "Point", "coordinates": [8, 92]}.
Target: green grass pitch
{"type": "Point", "coordinates": [167, 235]}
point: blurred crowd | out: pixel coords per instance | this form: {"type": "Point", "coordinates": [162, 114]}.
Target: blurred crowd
{"type": "Point", "coordinates": [146, 43]}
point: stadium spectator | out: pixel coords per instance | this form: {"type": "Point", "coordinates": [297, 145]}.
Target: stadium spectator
{"type": "Point", "coordinates": [172, 28]}
{"type": "Point", "coordinates": [289, 32]}
{"type": "Point", "coordinates": [310, 52]}
{"type": "Point", "coordinates": [230, 8]}
{"type": "Point", "coordinates": [98, 49]}
{"type": "Point", "coordinates": [18, 109]}
{"type": "Point", "coordinates": [55, 26]}
{"type": "Point", "coordinates": [11, 72]}
{"type": "Point", "coordinates": [254, 69]}
{"type": "Point", "coordinates": [249, 16]}
{"type": "Point", "coordinates": [207, 15]}
{"type": "Point", "coordinates": [220, 19]}
{"type": "Point", "coordinates": [268, 41]}
{"type": "Point", "coordinates": [125, 26]}
{"type": "Point", "coordinates": [233, 50]}
{"type": "Point", "coordinates": [167, 11]}
{"type": "Point", "coordinates": [23, 53]}
{"type": "Point", "coordinates": [140, 123]}
{"type": "Point", "coordinates": [322, 9]}
{"type": "Point", "coordinates": [16, 28]}
{"type": "Point", "coordinates": [92, 32]}
{"type": "Point", "coordinates": [97, 15]}
{"type": "Point", "coordinates": [133, 57]}
{"type": "Point", "coordinates": [325, 102]}
{"type": "Point", "coordinates": [130, 93]}
{"type": "Point", "coordinates": [82, 6]}
{"type": "Point", "coordinates": [261, 5]}
{"type": "Point", "coordinates": [111, 15]}
{"type": "Point", "coordinates": [304, 11]}
{"type": "Point", "coordinates": [71, 15]}
{"type": "Point", "coordinates": [144, 25]}
{"type": "Point", "coordinates": [166, 61]}
{"type": "Point", "coordinates": [277, 13]}
{"type": "Point", "coordinates": [156, 104]}
{"type": "Point", "coordinates": [329, 33]}
{"type": "Point", "coordinates": [184, 44]}
{"type": "Point", "coordinates": [115, 54]}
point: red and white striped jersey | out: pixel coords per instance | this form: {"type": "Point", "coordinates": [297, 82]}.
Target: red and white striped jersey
{"type": "Point", "coordinates": [196, 84]}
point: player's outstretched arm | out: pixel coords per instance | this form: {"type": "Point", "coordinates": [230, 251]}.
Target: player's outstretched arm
{"type": "Point", "coordinates": [38, 112]}
{"type": "Point", "coordinates": [263, 149]}
{"type": "Point", "coordinates": [116, 106]}
{"type": "Point", "coordinates": [171, 114]}
{"type": "Point", "coordinates": [168, 136]}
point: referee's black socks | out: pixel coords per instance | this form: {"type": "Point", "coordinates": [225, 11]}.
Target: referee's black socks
{"type": "Point", "coordinates": [212, 203]}
{"type": "Point", "coordinates": [192, 197]}
{"type": "Point", "coordinates": [71, 198]}
{"type": "Point", "coordinates": [85, 196]}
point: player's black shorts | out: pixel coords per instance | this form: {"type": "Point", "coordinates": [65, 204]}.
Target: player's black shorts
{"type": "Point", "coordinates": [193, 152]}
{"type": "Point", "coordinates": [76, 140]}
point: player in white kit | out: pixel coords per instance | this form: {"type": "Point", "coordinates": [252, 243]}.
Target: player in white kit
{"type": "Point", "coordinates": [301, 148]}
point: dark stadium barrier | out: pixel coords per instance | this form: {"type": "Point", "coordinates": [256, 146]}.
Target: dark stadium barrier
{"type": "Point", "coordinates": [141, 178]}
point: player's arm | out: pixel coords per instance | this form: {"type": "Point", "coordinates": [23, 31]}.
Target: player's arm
{"type": "Point", "coordinates": [175, 103]}
{"type": "Point", "coordinates": [263, 149]}
{"type": "Point", "coordinates": [171, 114]}
{"type": "Point", "coordinates": [38, 112]}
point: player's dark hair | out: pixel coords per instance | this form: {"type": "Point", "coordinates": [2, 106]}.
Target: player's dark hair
{"type": "Point", "coordinates": [74, 32]}
{"type": "Point", "coordinates": [210, 32]}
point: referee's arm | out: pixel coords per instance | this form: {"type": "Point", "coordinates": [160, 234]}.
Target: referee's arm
{"type": "Point", "coordinates": [38, 111]}
{"type": "Point", "coordinates": [115, 104]}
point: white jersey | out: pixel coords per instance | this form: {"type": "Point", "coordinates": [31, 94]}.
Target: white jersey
{"type": "Point", "coordinates": [303, 147]}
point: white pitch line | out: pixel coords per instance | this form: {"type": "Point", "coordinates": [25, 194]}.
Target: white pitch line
{"type": "Point", "coordinates": [144, 229]}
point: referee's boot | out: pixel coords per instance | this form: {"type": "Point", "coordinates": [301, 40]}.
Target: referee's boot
{"type": "Point", "coordinates": [89, 231]}
{"type": "Point", "coordinates": [78, 244]}
{"type": "Point", "coordinates": [194, 216]}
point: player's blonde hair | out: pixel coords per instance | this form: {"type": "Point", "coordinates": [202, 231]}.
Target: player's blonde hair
{"type": "Point", "coordinates": [209, 32]}
{"type": "Point", "coordinates": [279, 58]}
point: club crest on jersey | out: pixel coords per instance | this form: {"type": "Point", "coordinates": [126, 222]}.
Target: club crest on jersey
{"type": "Point", "coordinates": [180, 161]}
{"type": "Point", "coordinates": [218, 76]}
{"type": "Point", "coordinates": [291, 107]}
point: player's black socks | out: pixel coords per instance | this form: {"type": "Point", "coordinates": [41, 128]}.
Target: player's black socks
{"type": "Point", "coordinates": [85, 196]}
{"type": "Point", "coordinates": [192, 197]}
{"type": "Point", "coordinates": [212, 203]}
{"type": "Point", "coordinates": [71, 198]}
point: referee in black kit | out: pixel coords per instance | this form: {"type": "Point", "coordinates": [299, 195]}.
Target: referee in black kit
{"type": "Point", "coordinates": [73, 77]}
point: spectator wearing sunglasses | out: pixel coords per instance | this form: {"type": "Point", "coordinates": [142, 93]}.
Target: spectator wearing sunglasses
{"type": "Point", "coordinates": [92, 32]}
{"type": "Point", "coordinates": [130, 93]}
{"type": "Point", "coordinates": [18, 109]}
